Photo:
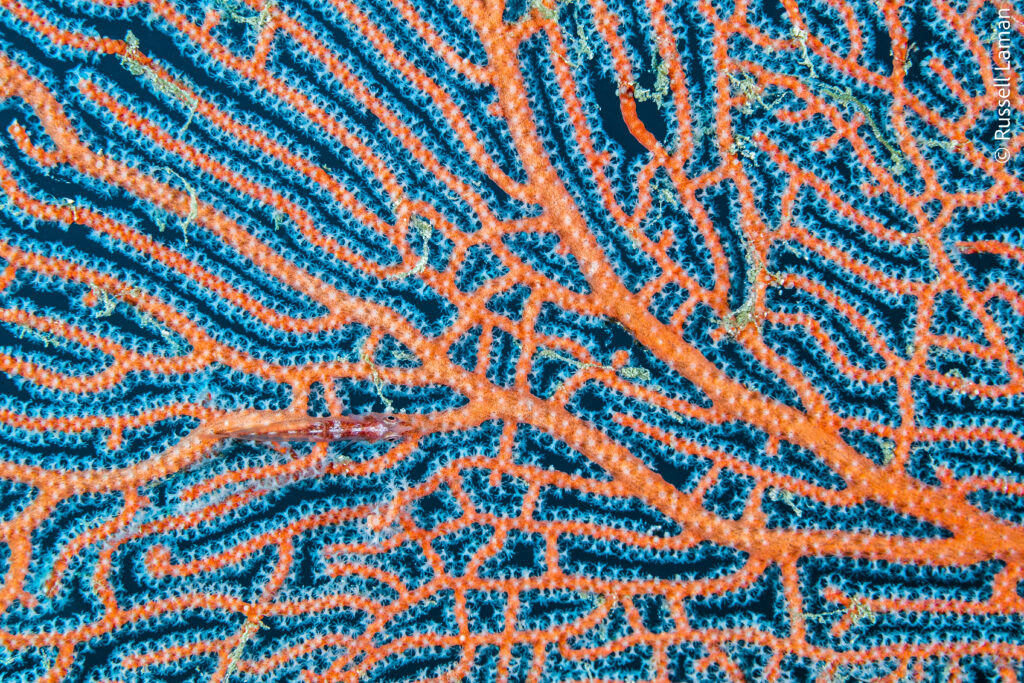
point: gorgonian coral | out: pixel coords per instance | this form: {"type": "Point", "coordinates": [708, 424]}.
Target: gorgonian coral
{"type": "Point", "coordinates": [706, 318]}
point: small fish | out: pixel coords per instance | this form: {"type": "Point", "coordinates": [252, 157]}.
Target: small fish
{"type": "Point", "coordinates": [368, 427]}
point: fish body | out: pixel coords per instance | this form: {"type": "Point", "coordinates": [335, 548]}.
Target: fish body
{"type": "Point", "coordinates": [370, 427]}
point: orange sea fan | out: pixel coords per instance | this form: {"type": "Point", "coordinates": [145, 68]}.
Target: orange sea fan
{"type": "Point", "coordinates": [560, 340]}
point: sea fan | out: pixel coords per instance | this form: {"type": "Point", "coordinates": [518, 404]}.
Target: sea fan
{"type": "Point", "coordinates": [702, 321]}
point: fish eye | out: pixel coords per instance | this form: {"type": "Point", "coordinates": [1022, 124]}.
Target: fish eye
{"type": "Point", "coordinates": [390, 418]}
